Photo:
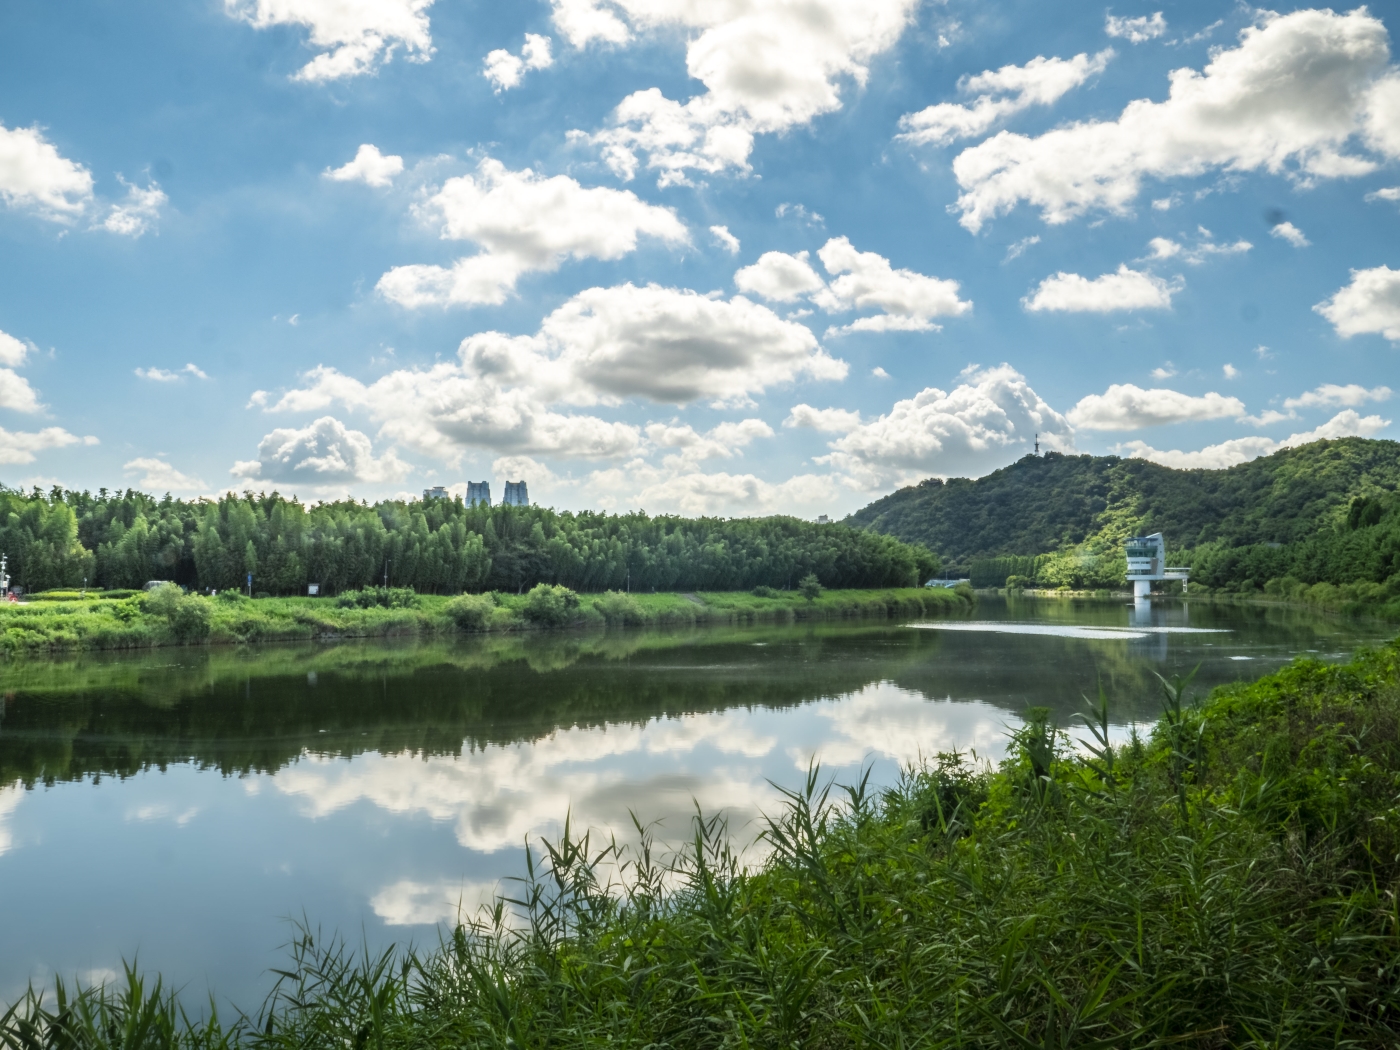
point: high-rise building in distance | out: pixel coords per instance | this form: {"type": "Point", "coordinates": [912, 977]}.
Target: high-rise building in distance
{"type": "Point", "coordinates": [436, 492]}
{"type": "Point", "coordinates": [478, 492]}
{"type": "Point", "coordinates": [516, 495]}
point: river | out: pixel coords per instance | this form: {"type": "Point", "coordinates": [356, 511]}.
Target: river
{"type": "Point", "coordinates": [181, 807]}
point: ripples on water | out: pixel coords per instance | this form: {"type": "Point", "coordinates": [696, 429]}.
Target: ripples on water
{"type": "Point", "coordinates": [183, 803]}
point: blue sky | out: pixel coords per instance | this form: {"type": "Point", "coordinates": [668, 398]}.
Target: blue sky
{"type": "Point", "coordinates": [722, 256]}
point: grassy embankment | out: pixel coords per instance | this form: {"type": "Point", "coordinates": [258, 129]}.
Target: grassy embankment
{"type": "Point", "coordinates": [63, 620]}
{"type": "Point", "coordinates": [1229, 881]}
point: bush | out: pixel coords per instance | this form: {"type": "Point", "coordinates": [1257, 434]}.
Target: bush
{"type": "Point", "coordinates": [810, 587]}
{"type": "Point", "coordinates": [550, 605]}
{"type": "Point", "coordinates": [187, 614]}
{"type": "Point", "coordinates": [620, 610]}
{"type": "Point", "coordinates": [232, 597]}
{"type": "Point", "coordinates": [379, 598]}
{"type": "Point", "coordinates": [764, 591]}
{"type": "Point", "coordinates": [471, 612]}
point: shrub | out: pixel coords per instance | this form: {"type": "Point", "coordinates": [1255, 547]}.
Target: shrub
{"type": "Point", "coordinates": [764, 591]}
{"type": "Point", "coordinates": [550, 605]}
{"type": "Point", "coordinates": [471, 612]}
{"type": "Point", "coordinates": [187, 614]}
{"type": "Point", "coordinates": [379, 598]}
{"type": "Point", "coordinates": [232, 597]}
{"type": "Point", "coordinates": [619, 609]}
{"type": "Point", "coordinates": [810, 587]}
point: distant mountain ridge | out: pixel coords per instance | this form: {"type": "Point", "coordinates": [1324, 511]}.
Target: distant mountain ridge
{"type": "Point", "coordinates": [1041, 504]}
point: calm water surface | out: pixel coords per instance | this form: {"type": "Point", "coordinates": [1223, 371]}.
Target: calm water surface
{"type": "Point", "coordinates": [179, 807]}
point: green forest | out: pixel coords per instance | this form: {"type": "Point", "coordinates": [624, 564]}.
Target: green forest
{"type": "Point", "coordinates": [1326, 514]}
{"type": "Point", "coordinates": [65, 538]}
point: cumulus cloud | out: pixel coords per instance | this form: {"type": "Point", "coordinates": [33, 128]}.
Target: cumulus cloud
{"type": "Point", "coordinates": [1332, 395]}
{"type": "Point", "coordinates": [779, 277]}
{"type": "Point", "coordinates": [603, 346]}
{"type": "Point", "coordinates": [725, 239]}
{"type": "Point", "coordinates": [1124, 406]}
{"type": "Point", "coordinates": [1240, 450]}
{"type": "Point", "coordinates": [767, 65]}
{"type": "Point", "coordinates": [138, 213]}
{"type": "Point", "coordinates": [675, 489]}
{"type": "Point", "coordinates": [1195, 254]}
{"type": "Point", "coordinates": [999, 94]}
{"type": "Point", "coordinates": [1286, 231]}
{"type": "Point", "coordinates": [862, 280]}
{"type": "Point", "coordinates": [369, 166]}
{"type": "Point", "coordinates": [506, 70]}
{"type": "Point", "coordinates": [22, 447]}
{"type": "Point", "coordinates": [13, 352]}
{"type": "Point", "coordinates": [971, 430]}
{"type": "Point", "coordinates": [1136, 30]}
{"type": "Point", "coordinates": [1288, 98]}
{"type": "Point", "coordinates": [165, 375]}
{"type": "Point", "coordinates": [16, 393]}
{"type": "Point", "coordinates": [724, 441]}
{"type": "Point", "coordinates": [1389, 193]}
{"type": "Point", "coordinates": [352, 38]}
{"type": "Point", "coordinates": [36, 177]}
{"type": "Point", "coordinates": [324, 454]}
{"type": "Point", "coordinates": [1370, 303]}
{"type": "Point", "coordinates": [831, 420]}
{"type": "Point", "coordinates": [160, 476]}
{"type": "Point", "coordinates": [1125, 290]}
{"type": "Point", "coordinates": [523, 222]}
{"type": "Point", "coordinates": [908, 300]}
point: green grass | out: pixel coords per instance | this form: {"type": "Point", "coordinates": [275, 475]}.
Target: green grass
{"type": "Point", "coordinates": [1227, 882]}
{"type": "Point", "coordinates": [68, 622]}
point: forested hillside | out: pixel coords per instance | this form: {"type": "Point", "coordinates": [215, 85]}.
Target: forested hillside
{"type": "Point", "coordinates": [1322, 513]}
{"type": "Point", "coordinates": [62, 538]}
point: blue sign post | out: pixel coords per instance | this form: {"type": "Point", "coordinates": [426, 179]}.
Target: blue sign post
{"type": "Point", "coordinates": [250, 585]}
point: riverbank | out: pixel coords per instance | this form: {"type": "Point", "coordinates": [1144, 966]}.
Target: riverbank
{"type": "Point", "coordinates": [1227, 880]}
{"type": "Point", "coordinates": [69, 621]}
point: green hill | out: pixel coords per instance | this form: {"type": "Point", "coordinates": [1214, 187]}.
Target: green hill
{"type": "Point", "coordinates": [1324, 512]}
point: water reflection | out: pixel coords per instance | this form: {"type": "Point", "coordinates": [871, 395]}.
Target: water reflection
{"type": "Point", "coordinates": [183, 802]}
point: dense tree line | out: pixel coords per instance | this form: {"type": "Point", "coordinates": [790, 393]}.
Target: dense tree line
{"type": "Point", "coordinates": [62, 538]}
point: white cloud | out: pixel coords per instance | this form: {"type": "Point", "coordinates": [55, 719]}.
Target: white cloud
{"type": "Point", "coordinates": [22, 446]}
{"type": "Point", "coordinates": [1286, 231]}
{"type": "Point", "coordinates": [523, 222]}
{"type": "Point", "coordinates": [1136, 30]}
{"type": "Point", "coordinates": [1370, 303]}
{"type": "Point", "coordinates": [324, 454]}
{"type": "Point", "coordinates": [1124, 406]}
{"type": "Point", "coordinates": [1333, 395]}
{"type": "Point", "coordinates": [968, 431]}
{"type": "Point", "coordinates": [1195, 254]}
{"type": "Point", "coordinates": [1289, 98]}
{"type": "Point", "coordinates": [1125, 290]}
{"type": "Point", "coordinates": [411, 903]}
{"type": "Point", "coordinates": [767, 65]}
{"type": "Point", "coordinates": [16, 393]}
{"type": "Point", "coordinates": [1390, 193]}
{"type": "Point", "coordinates": [909, 300]}
{"type": "Point", "coordinates": [160, 476]}
{"type": "Point", "coordinates": [1230, 371]}
{"type": "Point", "coordinates": [164, 375]}
{"type": "Point", "coordinates": [1383, 115]}
{"type": "Point", "coordinates": [1165, 371]}
{"type": "Point", "coordinates": [138, 213]}
{"type": "Point", "coordinates": [353, 36]}
{"type": "Point", "coordinates": [724, 441]}
{"type": "Point", "coordinates": [369, 166]}
{"type": "Point", "coordinates": [677, 488]}
{"type": "Point", "coordinates": [1268, 418]}
{"type": "Point", "coordinates": [1240, 450]}
{"type": "Point", "coordinates": [879, 373]}
{"type": "Point", "coordinates": [35, 176]}
{"type": "Point", "coordinates": [831, 420]}
{"type": "Point", "coordinates": [1000, 93]}
{"type": "Point", "coordinates": [13, 352]}
{"type": "Point", "coordinates": [603, 346]}
{"type": "Point", "coordinates": [507, 71]}
{"type": "Point", "coordinates": [725, 239]}
{"type": "Point", "coordinates": [779, 277]}
{"type": "Point", "coordinates": [1019, 248]}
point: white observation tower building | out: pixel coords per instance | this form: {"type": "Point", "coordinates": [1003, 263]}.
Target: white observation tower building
{"type": "Point", "coordinates": [1147, 561]}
